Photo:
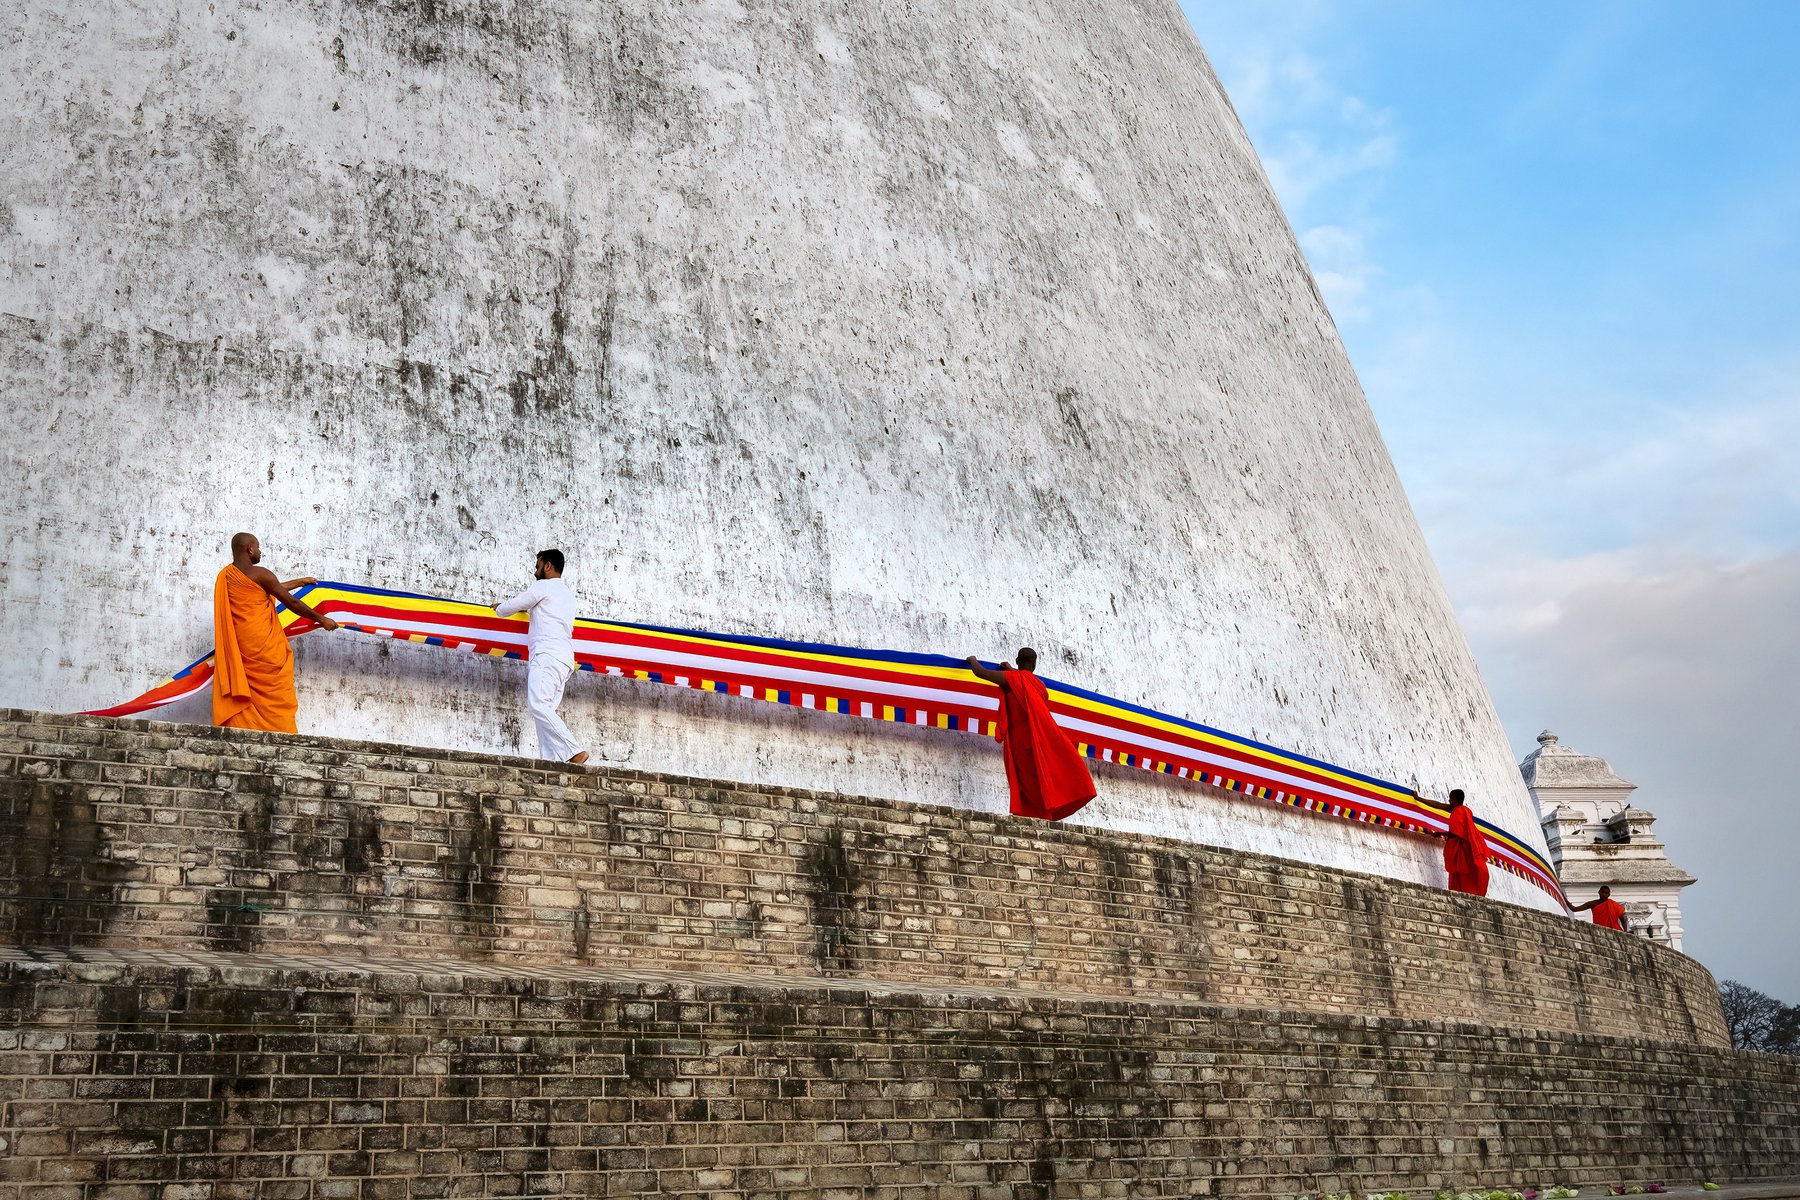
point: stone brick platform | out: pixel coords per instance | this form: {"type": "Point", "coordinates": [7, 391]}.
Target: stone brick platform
{"type": "Point", "coordinates": [269, 1075]}
{"type": "Point", "coordinates": [131, 833]}
{"type": "Point", "coordinates": [243, 965]}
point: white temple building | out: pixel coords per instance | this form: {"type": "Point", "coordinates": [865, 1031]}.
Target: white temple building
{"type": "Point", "coordinates": [1597, 837]}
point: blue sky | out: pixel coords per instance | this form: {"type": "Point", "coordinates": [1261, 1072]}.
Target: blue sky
{"type": "Point", "coordinates": [1562, 243]}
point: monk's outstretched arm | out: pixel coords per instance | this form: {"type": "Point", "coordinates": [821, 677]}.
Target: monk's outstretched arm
{"type": "Point", "coordinates": [277, 589]}
{"type": "Point", "coordinates": [1436, 833]}
{"type": "Point", "coordinates": [997, 678]}
{"type": "Point", "coordinates": [291, 584]}
{"type": "Point", "coordinates": [1584, 907]}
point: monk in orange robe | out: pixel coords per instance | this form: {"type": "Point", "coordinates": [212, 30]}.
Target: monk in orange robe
{"type": "Point", "coordinates": [1044, 771]}
{"type": "Point", "coordinates": [1465, 849]}
{"type": "Point", "coordinates": [253, 665]}
{"type": "Point", "coordinates": [1608, 913]}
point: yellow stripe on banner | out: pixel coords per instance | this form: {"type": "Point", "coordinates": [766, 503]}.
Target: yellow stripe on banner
{"type": "Point", "coordinates": [887, 712]}
{"type": "Point", "coordinates": [772, 694]}
{"type": "Point", "coordinates": [413, 604]}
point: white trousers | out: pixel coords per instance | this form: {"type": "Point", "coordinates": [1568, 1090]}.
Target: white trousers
{"type": "Point", "coordinates": [544, 682]}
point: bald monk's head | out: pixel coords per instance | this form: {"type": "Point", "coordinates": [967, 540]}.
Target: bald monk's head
{"type": "Point", "coordinates": [1027, 659]}
{"type": "Point", "coordinates": [245, 549]}
{"type": "Point", "coordinates": [1456, 798]}
{"type": "Point", "coordinates": [1605, 892]}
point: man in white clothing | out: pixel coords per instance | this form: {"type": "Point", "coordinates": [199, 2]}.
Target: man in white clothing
{"type": "Point", "coordinates": [552, 659]}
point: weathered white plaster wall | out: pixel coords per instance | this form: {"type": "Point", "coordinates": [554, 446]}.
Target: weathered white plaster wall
{"type": "Point", "coordinates": [941, 326]}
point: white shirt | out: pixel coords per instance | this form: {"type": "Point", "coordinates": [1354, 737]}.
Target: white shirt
{"type": "Point", "coordinates": [552, 608]}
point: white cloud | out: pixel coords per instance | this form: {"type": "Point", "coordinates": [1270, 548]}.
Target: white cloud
{"type": "Point", "coordinates": [1340, 264]}
{"type": "Point", "coordinates": [1715, 475]}
{"type": "Point", "coordinates": [1310, 167]}
{"type": "Point", "coordinates": [1326, 152]}
{"type": "Point", "coordinates": [1275, 87]}
{"type": "Point", "coordinates": [1310, 134]}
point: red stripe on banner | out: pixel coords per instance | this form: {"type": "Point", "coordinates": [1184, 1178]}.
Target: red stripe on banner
{"type": "Point", "coordinates": [162, 694]}
{"type": "Point", "coordinates": [388, 615]}
{"type": "Point", "coordinates": [651, 640]}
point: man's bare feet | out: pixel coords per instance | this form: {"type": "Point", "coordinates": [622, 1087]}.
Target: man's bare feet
{"type": "Point", "coordinates": [579, 759]}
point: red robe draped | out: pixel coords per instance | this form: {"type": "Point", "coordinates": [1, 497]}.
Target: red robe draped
{"type": "Point", "coordinates": [1610, 914]}
{"type": "Point", "coordinates": [1465, 853]}
{"type": "Point", "coordinates": [1045, 773]}
{"type": "Point", "coordinates": [253, 665]}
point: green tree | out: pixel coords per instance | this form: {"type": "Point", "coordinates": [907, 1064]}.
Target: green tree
{"type": "Point", "coordinates": [1784, 1030]}
{"type": "Point", "coordinates": [1757, 1021]}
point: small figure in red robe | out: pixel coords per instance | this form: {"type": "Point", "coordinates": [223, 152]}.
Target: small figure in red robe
{"type": "Point", "coordinates": [1608, 913]}
{"type": "Point", "coordinates": [1465, 850]}
{"type": "Point", "coordinates": [1044, 771]}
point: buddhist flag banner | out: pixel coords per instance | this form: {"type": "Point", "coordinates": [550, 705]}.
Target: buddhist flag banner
{"type": "Point", "coordinates": [928, 690]}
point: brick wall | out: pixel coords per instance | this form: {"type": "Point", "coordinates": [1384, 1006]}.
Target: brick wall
{"type": "Point", "coordinates": [135, 834]}
{"type": "Point", "coordinates": [241, 966]}
{"type": "Point", "coordinates": [214, 1076]}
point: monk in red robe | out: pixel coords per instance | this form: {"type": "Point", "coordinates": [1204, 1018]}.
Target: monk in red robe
{"type": "Point", "coordinates": [253, 665]}
{"type": "Point", "coordinates": [1044, 771]}
{"type": "Point", "coordinates": [1608, 913]}
{"type": "Point", "coordinates": [1465, 849]}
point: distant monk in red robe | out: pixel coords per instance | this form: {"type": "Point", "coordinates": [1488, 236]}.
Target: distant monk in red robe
{"type": "Point", "coordinates": [1465, 850]}
{"type": "Point", "coordinates": [1044, 771]}
{"type": "Point", "coordinates": [253, 665]}
{"type": "Point", "coordinates": [1608, 913]}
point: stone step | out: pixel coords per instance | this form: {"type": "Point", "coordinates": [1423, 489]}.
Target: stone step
{"type": "Point", "coordinates": [140, 834]}
{"type": "Point", "coordinates": [215, 1075]}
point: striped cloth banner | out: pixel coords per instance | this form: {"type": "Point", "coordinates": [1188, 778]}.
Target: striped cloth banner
{"type": "Point", "coordinates": [929, 690]}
